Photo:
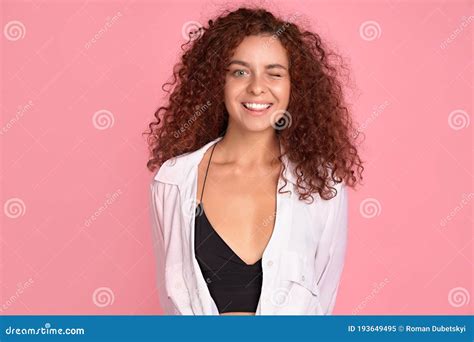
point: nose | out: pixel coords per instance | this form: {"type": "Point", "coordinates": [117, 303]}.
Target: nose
{"type": "Point", "coordinates": [256, 86]}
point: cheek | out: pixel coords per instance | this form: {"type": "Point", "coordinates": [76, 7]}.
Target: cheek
{"type": "Point", "coordinates": [231, 90]}
{"type": "Point", "coordinates": [283, 91]}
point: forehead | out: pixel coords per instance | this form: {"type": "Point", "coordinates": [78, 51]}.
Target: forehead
{"type": "Point", "coordinates": [262, 49]}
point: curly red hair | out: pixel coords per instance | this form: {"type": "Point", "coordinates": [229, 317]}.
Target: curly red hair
{"type": "Point", "coordinates": [321, 138]}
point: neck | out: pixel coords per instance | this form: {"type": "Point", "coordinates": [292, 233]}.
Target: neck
{"type": "Point", "coordinates": [249, 149]}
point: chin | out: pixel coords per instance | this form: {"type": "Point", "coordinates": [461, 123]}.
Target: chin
{"type": "Point", "coordinates": [254, 128]}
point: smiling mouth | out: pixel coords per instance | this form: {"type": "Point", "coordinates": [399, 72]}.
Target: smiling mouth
{"type": "Point", "coordinates": [256, 107]}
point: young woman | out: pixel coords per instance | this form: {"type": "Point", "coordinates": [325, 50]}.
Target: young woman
{"type": "Point", "coordinates": [255, 108]}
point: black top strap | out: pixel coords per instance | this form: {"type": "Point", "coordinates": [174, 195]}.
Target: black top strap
{"type": "Point", "coordinates": [205, 177]}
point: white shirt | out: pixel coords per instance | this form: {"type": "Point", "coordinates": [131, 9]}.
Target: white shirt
{"type": "Point", "coordinates": [302, 263]}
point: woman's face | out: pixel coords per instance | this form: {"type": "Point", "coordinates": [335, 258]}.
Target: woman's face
{"type": "Point", "coordinates": [257, 83]}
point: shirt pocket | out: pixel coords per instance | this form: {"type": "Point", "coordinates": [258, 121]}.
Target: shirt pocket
{"type": "Point", "coordinates": [299, 291]}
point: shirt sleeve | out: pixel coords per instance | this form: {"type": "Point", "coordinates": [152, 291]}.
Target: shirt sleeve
{"type": "Point", "coordinates": [333, 246]}
{"type": "Point", "coordinates": [168, 260]}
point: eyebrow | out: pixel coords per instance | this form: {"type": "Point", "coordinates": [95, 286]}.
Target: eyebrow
{"type": "Point", "coordinates": [269, 66]}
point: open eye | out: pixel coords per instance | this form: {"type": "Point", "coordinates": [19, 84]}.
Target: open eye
{"type": "Point", "coordinates": [239, 73]}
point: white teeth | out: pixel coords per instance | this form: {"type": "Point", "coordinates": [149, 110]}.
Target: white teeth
{"type": "Point", "coordinates": [257, 105]}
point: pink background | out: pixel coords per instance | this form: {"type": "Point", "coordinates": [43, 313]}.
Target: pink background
{"type": "Point", "coordinates": [410, 238]}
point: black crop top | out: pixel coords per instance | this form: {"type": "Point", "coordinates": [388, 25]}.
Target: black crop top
{"type": "Point", "coordinates": [234, 285]}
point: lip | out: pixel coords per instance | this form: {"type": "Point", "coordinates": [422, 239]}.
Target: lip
{"type": "Point", "coordinates": [256, 112]}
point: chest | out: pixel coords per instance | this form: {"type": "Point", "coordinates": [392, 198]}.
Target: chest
{"type": "Point", "coordinates": [241, 210]}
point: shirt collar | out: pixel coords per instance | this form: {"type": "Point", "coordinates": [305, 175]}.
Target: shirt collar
{"type": "Point", "coordinates": [177, 169]}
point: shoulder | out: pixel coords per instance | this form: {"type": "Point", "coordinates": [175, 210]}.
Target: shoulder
{"type": "Point", "coordinates": [179, 168]}
{"type": "Point", "coordinates": [338, 189]}
{"type": "Point", "coordinates": [336, 205]}
{"type": "Point", "coordinates": [340, 194]}
{"type": "Point", "coordinates": [341, 189]}
{"type": "Point", "coordinates": [173, 169]}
